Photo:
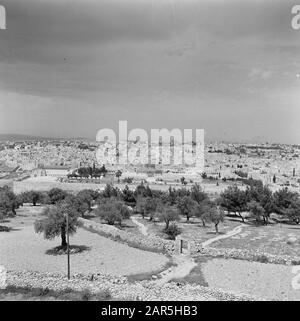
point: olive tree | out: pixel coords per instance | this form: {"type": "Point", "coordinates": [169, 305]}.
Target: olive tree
{"type": "Point", "coordinates": [53, 222]}
{"type": "Point", "coordinates": [215, 215]}
{"type": "Point", "coordinates": [112, 210]}
{"type": "Point", "coordinates": [186, 206]}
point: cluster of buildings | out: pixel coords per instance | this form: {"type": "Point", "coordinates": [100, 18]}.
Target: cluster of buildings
{"type": "Point", "coordinates": [272, 163]}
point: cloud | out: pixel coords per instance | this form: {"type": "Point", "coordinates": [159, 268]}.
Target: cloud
{"type": "Point", "coordinates": [260, 74]}
{"type": "Point", "coordinates": [187, 59]}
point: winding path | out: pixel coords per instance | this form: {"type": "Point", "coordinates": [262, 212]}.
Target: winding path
{"type": "Point", "coordinates": [235, 231]}
{"type": "Point", "coordinates": [184, 264]}
{"type": "Point", "coordinates": [143, 229]}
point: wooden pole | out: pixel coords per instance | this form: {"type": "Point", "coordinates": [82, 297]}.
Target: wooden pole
{"type": "Point", "coordinates": [68, 247]}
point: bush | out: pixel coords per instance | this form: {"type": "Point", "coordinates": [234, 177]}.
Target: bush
{"type": "Point", "coordinates": [261, 258]}
{"type": "Point", "coordinates": [172, 231]}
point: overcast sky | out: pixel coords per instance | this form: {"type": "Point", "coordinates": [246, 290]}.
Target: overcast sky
{"type": "Point", "coordinates": [69, 68]}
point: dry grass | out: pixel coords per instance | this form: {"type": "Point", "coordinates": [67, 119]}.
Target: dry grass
{"type": "Point", "coordinates": [271, 239]}
{"type": "Point", "coordinates": [268, 281]}
{"type": "Point", "coordinates": [192, 230]}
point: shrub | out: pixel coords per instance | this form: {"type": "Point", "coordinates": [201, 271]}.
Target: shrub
{"type": "Point", "coordinates": [172, 231]}
{"type": "Point", "coordinates": [261, 258]}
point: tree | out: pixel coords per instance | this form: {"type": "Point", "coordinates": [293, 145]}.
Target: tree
{"type": "Point", "coordinates": [197, 194]}
{"type": "Point", "coordinates": [87, 197]}
{"type": "Point", "coordinates": [171, 197]}
{"type": "Point", "coordinates": [83, 172]}
{"type": "Point", "coordinates": [9, 202]}
{"type": "Point", "coordinates": [257, 211]}
{"type": "Point", "coordinates": [234, 200]}
{"type": "Point", "coordinates": [128, 196]}
{"type": "Point", "coordinates": [283, 200]}
{"type": "Point", "coordinates": [147, 206]}
{"type": "Point", "coordinates": [56, 195]}
{"type": "Point", "coordinates": [128, 180]}
{"type": "Point", "coordinates": [53, 222]}
{"type": "Point", "coordinates": [112, 211]}
{"type": "Point", "coordinates": [168, 214]}
{"type": "Point", "coordinates": [201, 209]}
{"type": "Point", "coordinates": [183, 181]}
{"type": "Point", "coordinates": [263, 195]}
{"type": "Point", "coordinates": [110, 191]}
{"type": "Point", "coordinates": [140, 205]}
{"type": "Point", "coordinates": [186, 206]}
{"type": "Point", "coordinates": [118, 175]}
{"type": "Point", "coordinates": [33, 197]}
{"type": "Point", "coordinates": [80, 206]}
{"type": "Point", "coordinates": [151, 207]}
{"type": "Point", "coordinates": [204, 175]}
{"type": "Point", "coordinates": [103, 170]}
{"type": "Point", "coordinates": [241, 174]}
{"type": "Point", "coordinates": [293, 211]}
{"type": "Point", "coordinates": [215, 215]}
{"type": "Point", "coordinates": [142, 190]}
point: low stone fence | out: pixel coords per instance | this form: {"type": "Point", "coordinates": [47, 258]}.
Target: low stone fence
{"type": "Point", "coordinates": [119, 287]}
{"type": "Point", "coordinates": [249, 255]}
{"type": "Point", "coordinates": [191, 247]}
{"type": "Point", "coordinates": [147, 243]}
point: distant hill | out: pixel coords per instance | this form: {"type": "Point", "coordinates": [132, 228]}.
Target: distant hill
{"type": "Point", "coordinates": [19, 137]}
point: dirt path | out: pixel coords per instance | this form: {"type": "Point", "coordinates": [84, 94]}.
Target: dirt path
{"type": "Point", "coordinates": [142, 227]}
{"type": "Point", "coordinates": [184, 265]}
{"type": "Point", "coordinates": [235, 231]}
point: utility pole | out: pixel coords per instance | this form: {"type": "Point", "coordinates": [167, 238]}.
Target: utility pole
{"type": "Point", "coordinates": [68, 245]}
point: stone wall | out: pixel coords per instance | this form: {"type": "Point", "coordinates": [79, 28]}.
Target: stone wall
{"type": "Point", "coordinates": [147, 243]}
{"type": "Point", "coordinates": [120, 288]}
{"type": "Point", "coordinates": [244, 254]}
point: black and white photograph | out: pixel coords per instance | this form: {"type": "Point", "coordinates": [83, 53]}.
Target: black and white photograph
{"type": "Point", "coordinates": [149, 152]}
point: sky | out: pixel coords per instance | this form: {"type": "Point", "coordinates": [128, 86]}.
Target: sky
{"type": "Point", "coordinates": [69, 68]}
